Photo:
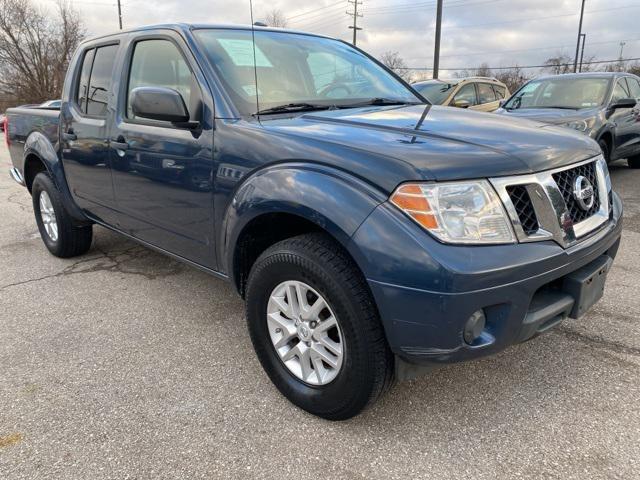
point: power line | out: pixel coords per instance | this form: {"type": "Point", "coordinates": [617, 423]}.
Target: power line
{"type": "Point", "coordinates": [330, 19]}
{"type": "Point", "coordinates": [550, 47]}
{"type": "Point", "coordinates": [341, 2]}
{"type": "Point", "coordinates": [522, 67]}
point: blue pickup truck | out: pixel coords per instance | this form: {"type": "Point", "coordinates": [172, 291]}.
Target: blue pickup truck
{"type": "Point", "coordinates": [372, 235]}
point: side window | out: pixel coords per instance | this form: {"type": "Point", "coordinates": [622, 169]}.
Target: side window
{"type": "Point", "coordinates": [501, 92]}
{"type": "Point", "coordinates": [466, 93]}
{"type": "Point", "coordinates": [159, 63]}
{"type": "Point", "coordinates": [620, 91]}
{"type": "Point", "coordinates": [100, 81]}
{"type": "Point", "coordinates": [634, 87]}
{"type": "Point", "coordinates": [486, 93]}
{"type": "Point", "coordinates": [83, 84]}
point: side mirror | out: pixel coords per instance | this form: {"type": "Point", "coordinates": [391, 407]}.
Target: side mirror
{"type": "Point", "coordinates": [461, 103]}
{"type": "Point", "coordinates": [159, 103]}
{"type": "Point", "coordinates": [623, 103]}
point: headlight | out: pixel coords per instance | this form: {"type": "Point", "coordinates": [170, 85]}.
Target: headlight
{"type": "Point", "coordinates": [456, 212]}
{"type": "Point", "coordinates": [581, 125]}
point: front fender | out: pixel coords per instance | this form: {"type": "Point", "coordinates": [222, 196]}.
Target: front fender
{"type": "Point", "coordinates": [334, 200]}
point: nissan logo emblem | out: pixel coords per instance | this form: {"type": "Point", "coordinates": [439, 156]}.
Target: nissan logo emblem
{"type": "Point", "coordinates": [583, 192]}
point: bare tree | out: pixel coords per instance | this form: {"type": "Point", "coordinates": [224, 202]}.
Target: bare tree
{"type": "Point", "coordinates": [634, 68]}
{"type": "Point", "coordinates": [395, 62]}
{"type": "Point", "coordinates": [35, 49]}
{"type": "Point", "coordinates": [483, 70]}
{"type": "Point", "coordinates": [559, 64]}
{"type": "Point", "coordinates": [513, 78]}
{"type": "Point", "coordinates": [275, 18]}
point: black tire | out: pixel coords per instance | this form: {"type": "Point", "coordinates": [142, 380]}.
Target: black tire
{"type": "Point", "coordinates": [634, 162]}
{"type": "Point", "coordinates": [606, 149]}
{"type": "Point", "coordinates": [72, 240]}
{"type": "Point", "coordinates": [367, 369]}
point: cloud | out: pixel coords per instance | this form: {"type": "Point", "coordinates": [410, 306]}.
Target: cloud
{"type": "Point", "coordinates": [498, 32]}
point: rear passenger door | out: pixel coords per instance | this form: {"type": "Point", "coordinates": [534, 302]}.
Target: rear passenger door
{"type": "Point", "coordinates": [163, 173]}
{"type": "Point", "coordinates": [84, 121]}
{"type": "Point", "coordinates": [487, 101]}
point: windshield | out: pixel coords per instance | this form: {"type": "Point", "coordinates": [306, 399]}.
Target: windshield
{"type": "Point", "coordinates": [571, 92]}
{"type": "Point", "coordinates": [296, 69]}
{"type": "Point", "coordinates": [435, 92]}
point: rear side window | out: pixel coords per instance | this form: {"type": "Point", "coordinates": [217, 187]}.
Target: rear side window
{"type": "Point", "coordinates": [485, 93]}
{"type": "Point", "coordinates": [501, 92]}
{"type": "Point", "coordinates": [159, 63]}
{"type": "Point", "coordinates": [634, 87]}
{"type": "Point", "coordinates": [83, 84]}
{"type": "Point", "coordinates": [100, 80]}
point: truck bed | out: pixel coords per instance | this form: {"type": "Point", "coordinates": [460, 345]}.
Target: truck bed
{"type": "Point", "coordinates": [25, 121]}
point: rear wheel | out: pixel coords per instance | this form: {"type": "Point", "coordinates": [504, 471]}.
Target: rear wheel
{"type": "Point", "coordinates": [58, 231]}
{"type": "Point", "coordinates": [315, 328]}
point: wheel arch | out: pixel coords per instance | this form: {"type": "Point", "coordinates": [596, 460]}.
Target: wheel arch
{"type": "Point", "coordinates": [262, 213]}
{"type": "Point", "coordinates": [41, 155]}
{"type": "Point", "coordinates": [607, 136]}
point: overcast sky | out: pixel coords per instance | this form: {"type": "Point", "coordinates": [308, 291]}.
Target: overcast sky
{"type": "Point", "coordinates": [499, 32]}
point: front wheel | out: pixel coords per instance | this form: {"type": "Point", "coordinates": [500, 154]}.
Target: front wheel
{"type": "Point", "coordinates": [58, 231]}
{"type": "Point", "coordinates": [315, 328]}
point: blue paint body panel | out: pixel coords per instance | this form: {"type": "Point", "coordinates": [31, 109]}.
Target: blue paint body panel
{"type": "Point", "coordinates": [192, 193]}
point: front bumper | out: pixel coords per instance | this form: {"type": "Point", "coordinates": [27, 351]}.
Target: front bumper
{"type": "Point", "coordinates": [519, 287]}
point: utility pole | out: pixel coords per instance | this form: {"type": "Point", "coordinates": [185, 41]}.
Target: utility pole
{"type": "Point", "coordinates": [584, 39]}
{"type": "Point", "coordinates": [575, 61]}
{"type": "Point", "coordinates": [436, 53]}
{"type": "Point", "coordinates": [355, 16]}
{"type": "Point", "coordinates": [620, 61]}
{"type": "Point", "coordinates": [622, 44]}
{"type": "Point", "coordinates": [119, 14]}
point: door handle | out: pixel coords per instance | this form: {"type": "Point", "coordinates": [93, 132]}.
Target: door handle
{"type": "Point", "coordinates": [69, 136]}
{"type": "Point", "coordinates": [118, 145]}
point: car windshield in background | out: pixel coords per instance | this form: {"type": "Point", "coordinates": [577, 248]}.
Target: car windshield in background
{"type": "Point", "coordinates": [435, 92]}
{"type": "Point", "coordinates": [297, 72]}
{"type": "Point", "coordinates": [570, 93]}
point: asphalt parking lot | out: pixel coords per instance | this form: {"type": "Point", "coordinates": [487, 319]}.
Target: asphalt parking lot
{"type": "Point", "coordinates": [125, 364]}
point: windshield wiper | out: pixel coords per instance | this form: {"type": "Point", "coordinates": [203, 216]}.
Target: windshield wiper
{"type": "Point", "coordinates": [562, 107]}
{"type": "Point", "coordinates": [377, 101]}
{"type": "Point", "coordinates": [294, 107]}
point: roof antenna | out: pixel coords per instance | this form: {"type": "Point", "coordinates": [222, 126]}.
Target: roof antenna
{"type": "Point", "coordinates": [255, 63]}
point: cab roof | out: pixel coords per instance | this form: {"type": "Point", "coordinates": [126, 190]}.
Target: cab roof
{"type": "Point", "coordinates": [185, 28]}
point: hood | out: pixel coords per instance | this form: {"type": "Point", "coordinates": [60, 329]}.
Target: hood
{"type": "Point", "coordinates": [431, 142]}
{"type": "Point", "coordinates": [551, 116]}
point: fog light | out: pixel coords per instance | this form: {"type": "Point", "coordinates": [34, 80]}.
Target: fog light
{"type": "Point", "coordinates": [474, 327]}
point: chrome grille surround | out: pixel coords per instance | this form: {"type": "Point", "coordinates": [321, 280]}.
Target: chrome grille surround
{"type": "Point", "coordinates": [554, 219]}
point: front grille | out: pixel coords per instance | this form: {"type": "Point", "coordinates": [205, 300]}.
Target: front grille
{"type": "Point", "coordinates": [565, 180]}
{"type": "Point", "coordinates": [524, 208]}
